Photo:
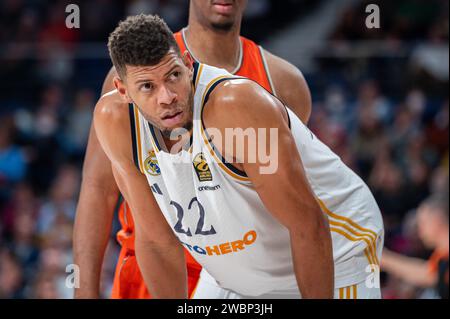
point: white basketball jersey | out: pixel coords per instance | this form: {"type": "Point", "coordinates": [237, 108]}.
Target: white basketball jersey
{"type": "Point", "coordinates": [219, 218]}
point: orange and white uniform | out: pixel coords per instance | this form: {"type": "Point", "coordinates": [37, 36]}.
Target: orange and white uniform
{"type": "Point", "coordinates": [128, 282]}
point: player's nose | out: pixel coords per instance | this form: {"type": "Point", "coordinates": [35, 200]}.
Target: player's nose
{"type": "Point", "coordinates": [166, 96]}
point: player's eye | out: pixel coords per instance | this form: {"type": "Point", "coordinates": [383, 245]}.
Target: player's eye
{"type": "Point", "coordinates": [146, 87]}
{"type": "Point", "coordinates": [175, 75]}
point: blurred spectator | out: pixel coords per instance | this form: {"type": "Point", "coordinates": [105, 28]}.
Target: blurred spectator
{"type": "Point", "coordinates": [22, 201]}
{"type": "Point", "coordinates": [433, 229]}
{"type": "Point", "coordinates": [12, 160]}
{"type": "Point", "coordinates": [24, 242]}
{"type": "Point", "coordinates": [47, 114]}
{"type": "Point", "coordinates": [59, 208]}
{"type": "Point", "coordinates": [142, 6]}
{"type": "Point", "coordinates": [11, 276]}
{"type": "Point", "coordinates": [52, 275]}
{"type": "Point", "coordinates": [79, 122]}
{"type": "Point", "coordinates": [44, 287]}
{"type": "Point", "coordinates": [429, 60]}
{"type": "Point", "coordinates": [366, 138]}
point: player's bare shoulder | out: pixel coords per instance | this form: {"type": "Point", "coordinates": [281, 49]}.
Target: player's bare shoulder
{"type": "Point", "coordinates": [111, 107]}
{"type": "Point", "coordinates": [112, 125]}
{"type": "Point", "coordinates": [279, 67]}
{"type": "Point", "coordinates": [241, 101]}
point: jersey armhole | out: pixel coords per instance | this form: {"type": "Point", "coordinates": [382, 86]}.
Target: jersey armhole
{"type": "Point", "coordinates": [228, 167]}
{"type": "Point", "coordinates": [134, 118]}
{"type": "Point", "coordinates": [266, 68]}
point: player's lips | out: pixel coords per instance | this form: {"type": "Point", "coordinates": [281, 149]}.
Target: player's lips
{"type": "Point", "coordinates": [172, 119]}
{"type": "Point", "coordinates": [223, 7]}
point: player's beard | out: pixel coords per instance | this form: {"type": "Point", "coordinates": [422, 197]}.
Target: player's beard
{"type": "Point", "coordinates": [223, 26]}
{"type": "Point", "coordinates": [186, 127]}
{"type": "Point", "coordinates": [175, 132]}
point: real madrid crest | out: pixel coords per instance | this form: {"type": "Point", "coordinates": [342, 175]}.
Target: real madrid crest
{"type": "Point", "coordinates": [201, 168]}
{"type": "Point", "coordinates": [151, 164]}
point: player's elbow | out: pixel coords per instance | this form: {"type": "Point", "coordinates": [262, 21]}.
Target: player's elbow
{"type": "Point", "coordinates": [311, 224]}
{"type": "Point", "coordinates": [146, 237]}
{"type": "Point", "coordinates": [100, 188]}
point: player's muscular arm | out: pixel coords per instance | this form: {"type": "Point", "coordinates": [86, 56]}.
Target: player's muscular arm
{"type": "Point", "coordinates": [286, 193]}
{"type": "Point", "coordinates": [95, 211]}
{"type": "Point", "coordinates": [159, 253]}
{"type": "Point", "coordinates": [290, 86]}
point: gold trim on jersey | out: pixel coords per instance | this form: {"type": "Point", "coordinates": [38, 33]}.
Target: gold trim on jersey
{"type": "Point", "coordinates": [266, 68]}
{"type": "Point", "coordinates": [364, 234]}
{"type": "Point", "coordinates": [367, 252]}
{"type": "Point", "coordinates": [349, 292]}
{"type": "Point", "coordinates": [137, 129]}
{"type": "Point", "coordinates": [199, 73]}
{"type": "Point", "coordinates": [369, 241]}
{"type": "Point", "coordinates": [156, 148]}
{"type": "Point", "coordinates": [205, 138]}
{"type": "Point", "coordinates": [341, 293]}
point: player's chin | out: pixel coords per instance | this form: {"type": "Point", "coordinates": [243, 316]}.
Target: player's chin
{"type": "Point", "coordinates": [222, 22]}
{"type": "Point", "coordinates": [176, 131]}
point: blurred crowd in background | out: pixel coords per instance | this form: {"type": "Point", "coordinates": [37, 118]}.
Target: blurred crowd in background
{"type": "Point", "coordinates": [380, 101]}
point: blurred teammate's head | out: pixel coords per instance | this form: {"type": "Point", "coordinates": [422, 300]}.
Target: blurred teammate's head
{"type": "Point", "coordinates": [219, 15]}
{"type": "Point", "coordinates": [432, 221]}
{"type": "Point", "coordinates": [152, 73]}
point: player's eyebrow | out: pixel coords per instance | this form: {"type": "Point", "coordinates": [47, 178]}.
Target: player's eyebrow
{"type": "Point", "coordinates": [170, 71]}
{"type": "Point", "coordinates": [143, 81]}
{"type": "Point", "coordinates": [148, 80]}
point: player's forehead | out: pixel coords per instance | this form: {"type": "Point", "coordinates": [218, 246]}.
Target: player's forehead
{"type": "Point", "coordinates": [168, 62]}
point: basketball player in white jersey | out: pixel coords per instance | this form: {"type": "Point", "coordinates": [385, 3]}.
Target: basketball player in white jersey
{"type": "Point", "coordinates": [309, 228]}
{"type": "Point", "coordinates": [213, 37]}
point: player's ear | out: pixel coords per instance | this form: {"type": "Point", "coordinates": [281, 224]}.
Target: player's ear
{"type": "Point", "coordinates": [189, 63]}
{"type": "Point", "coordinates": [121, 88]}
{"type": "Point", "coordinates": [188, 60]}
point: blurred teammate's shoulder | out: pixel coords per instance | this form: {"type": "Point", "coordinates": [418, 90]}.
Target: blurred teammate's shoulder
{"type": "Point", "coordinates": [280, 67]}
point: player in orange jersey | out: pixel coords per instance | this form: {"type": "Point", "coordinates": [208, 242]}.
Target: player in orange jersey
{"type": "Point", "coordinates": [212, 37]}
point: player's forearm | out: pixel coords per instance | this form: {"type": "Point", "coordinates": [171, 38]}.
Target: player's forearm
{"type": "Point", "coordinates": [163, 268]}
{"type": "Point", "coordinates": [413, 270]}
{"type": "Point", "coordinates": [91, 234]}
{"type": "Point", "coordinates": [313, 260]}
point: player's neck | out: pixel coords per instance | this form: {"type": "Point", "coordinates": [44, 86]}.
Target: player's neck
{"type": "Point", "coordinates": [175, 146]}
{"type": "Point", "coordinates": [220, 49]}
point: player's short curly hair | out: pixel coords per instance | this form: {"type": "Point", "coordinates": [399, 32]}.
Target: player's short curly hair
{"type": "Point", "coordinates": [140, 40]}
